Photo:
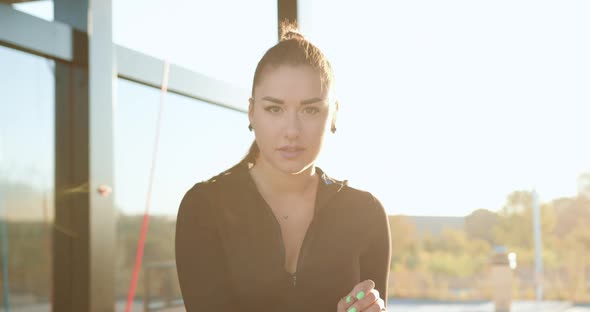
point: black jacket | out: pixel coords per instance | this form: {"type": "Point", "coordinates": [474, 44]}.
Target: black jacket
{"type": "Point", "coordinates": [230, 253]}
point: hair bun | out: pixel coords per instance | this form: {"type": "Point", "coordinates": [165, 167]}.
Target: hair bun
{"type": "Point", "coordinates": [289, 31]}
{"type": "Point", "coordinates": [292, 34]}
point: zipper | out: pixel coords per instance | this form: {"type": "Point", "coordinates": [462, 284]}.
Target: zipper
{"type": "Point", "coordinates": [317, 203]}
{"type": "Point", "coordinates": [268, 210]}
{"type": "Point", "coordinates": [277, 226]}
{"type": "Point", "coordinates": [308, 232]}
{"type": "Point", "coordinates": [302, 250]}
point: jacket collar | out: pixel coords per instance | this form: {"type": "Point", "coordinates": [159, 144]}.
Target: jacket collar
{"type": "Point", "coordinates": [327, 186]}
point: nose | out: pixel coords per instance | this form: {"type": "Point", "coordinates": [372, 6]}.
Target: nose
{"type": "Point", "coordinates": [292, 126]}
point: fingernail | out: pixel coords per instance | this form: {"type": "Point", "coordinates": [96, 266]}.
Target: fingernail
{"type": "Point", "coordinates": [360, 295]}
{"type": "Point", "coordinates": [348, 299]}
{"type": "Point", "coordinates": [353, 309]}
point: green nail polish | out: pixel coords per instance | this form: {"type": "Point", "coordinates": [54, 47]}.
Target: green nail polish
{"type": "Point", "coordinates": [353, 309]}
{"type": "Point", "coordinates": [348, 299]}
{"type": "Point", "coordinates": [360, 295]}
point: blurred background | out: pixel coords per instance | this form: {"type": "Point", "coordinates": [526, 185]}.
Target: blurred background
{"type": "Point", "coordinates": [469, 121]}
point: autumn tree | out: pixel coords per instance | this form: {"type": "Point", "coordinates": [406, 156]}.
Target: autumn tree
{"type": "Point", "coordinates": [479, 225]}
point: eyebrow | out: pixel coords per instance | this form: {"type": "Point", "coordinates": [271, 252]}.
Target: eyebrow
{"type": "Point", "coordinates": [304, 102]}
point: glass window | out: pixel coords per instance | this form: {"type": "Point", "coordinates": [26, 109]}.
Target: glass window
{"type": "Point", "coordinates": [197, 141]}
{"type": "Point", "coordinates": [26, 180]}
{"type": "Point", "coordinates": [221, 39]}
{"type": "Point", "coordinates": [39, 8]}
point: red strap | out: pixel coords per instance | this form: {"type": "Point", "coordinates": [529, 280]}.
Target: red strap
{"type": "Point", "coordinates": [144, 225]}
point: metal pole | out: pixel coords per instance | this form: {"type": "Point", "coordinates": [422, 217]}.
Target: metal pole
{"type": "Point", "coordinates": [4, 234]}
{"type": "Point", "coordinates": [287, 11]}
{"type": "Point", "coordinates": [84, 242]}
{"type": "Point", "coordinates": [538, 247]}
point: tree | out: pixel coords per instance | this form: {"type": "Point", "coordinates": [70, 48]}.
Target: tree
{"type": "Point", "coordinates": [403, 236]}
{"type": "Point", "coordinates": [479, 224]}
{"type": "Point", "coordinates": [515, 226]}
{"type": "Point", "coordinates": [584, 185]}
{"type": "Point", "coordinates": [571, 212]}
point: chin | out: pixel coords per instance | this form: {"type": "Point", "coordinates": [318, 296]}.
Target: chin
{"type": "Point", "coordinates": [293, 166]}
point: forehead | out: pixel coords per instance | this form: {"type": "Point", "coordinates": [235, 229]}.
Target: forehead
{"type": "Point", "coordinates": [290, 81]}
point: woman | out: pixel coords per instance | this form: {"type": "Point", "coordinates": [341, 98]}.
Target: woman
{"type": "Point", "coordinates": [274, 232]}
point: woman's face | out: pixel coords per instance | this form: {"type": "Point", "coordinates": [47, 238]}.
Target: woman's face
{"type": "Point", "coordinates": [290, 114]}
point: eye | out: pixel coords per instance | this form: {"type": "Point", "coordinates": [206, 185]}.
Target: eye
{"type": "Point", "coordinates": [273, 109]}
{"type": "Point", "coordinates": [311, 110]}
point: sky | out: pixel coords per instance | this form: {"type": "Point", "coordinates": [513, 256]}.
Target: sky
{"type": "Point", "coordinates": [445, 106]}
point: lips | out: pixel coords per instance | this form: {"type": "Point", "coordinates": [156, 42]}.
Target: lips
{"type": "Point", "coordinates": [291, 152]}
{"type": "Point", "coordinates": [291, 148]}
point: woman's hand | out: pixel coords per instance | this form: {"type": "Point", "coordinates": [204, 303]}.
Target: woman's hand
{"type": "Point", "coordinates": [363, 298]}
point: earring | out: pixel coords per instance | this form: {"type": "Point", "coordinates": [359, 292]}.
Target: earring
{"type": "Point", "coordinates": [333, 129]}
{"type": "Point", "coordinates": [250, 127]}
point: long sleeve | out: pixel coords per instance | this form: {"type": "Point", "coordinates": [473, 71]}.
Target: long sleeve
{"type": "Point", "coordinates": [200, 260]}
{"type": "Point", "coordinates": [375, 261]}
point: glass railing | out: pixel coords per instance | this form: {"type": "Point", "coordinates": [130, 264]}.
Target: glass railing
{"type": "Point", "coordinates": [196, 141]}
{"type": "Point", "coordinates": [26, 180]}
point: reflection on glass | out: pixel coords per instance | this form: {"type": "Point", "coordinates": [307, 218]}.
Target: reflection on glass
{"type": "Point", "coordinates": [197, 141]}
{"type": "Point", "coordinates": [26, 180]}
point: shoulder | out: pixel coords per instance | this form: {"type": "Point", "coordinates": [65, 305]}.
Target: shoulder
{"type": "Point", "coordinates": [222, 179]}
{"type": "Point", "coordinates": [223, 183]}
{"type": "Point", "coordinates": [368, 212]}
{"type": "Point", "coordinates": [357, 199]}
{"type": "Point", "coordinates": [199, 208]}
{"type": "Point", "coordinates": [365, 200]}
{"type": "Point", "coordinates": [361, 209]}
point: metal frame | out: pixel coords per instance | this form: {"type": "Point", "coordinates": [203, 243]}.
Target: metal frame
{"type": "Point", "coordinates": [16, 1]}
{"type": "Point", "coordinates": [287, 10]}
{"type": "Point", "coordinates": [55, 40]}
{"type": "Point", "coordinates": [83, 266]}
{"type": "Point", "coordinates": [30, 34]}
{"type": "Point", "coordinates": [147, 70]}
{"type": "Point", "coordinates": [86, 69]}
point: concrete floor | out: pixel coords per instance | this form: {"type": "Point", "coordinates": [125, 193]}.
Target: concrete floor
{"type": "Point", "coordinates": [394, 306]}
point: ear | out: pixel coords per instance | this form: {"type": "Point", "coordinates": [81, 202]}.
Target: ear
{"type": "Point", "coordinates": [250, 109]}
{"type": "Point", "coordinates": [335, 113]}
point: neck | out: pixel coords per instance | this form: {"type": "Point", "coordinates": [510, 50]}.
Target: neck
{"type": "Point", "coordinates": [280, 182]}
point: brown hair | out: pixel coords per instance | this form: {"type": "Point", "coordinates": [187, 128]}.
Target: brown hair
{"type": "Point", "coordinates": [292, 49]}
